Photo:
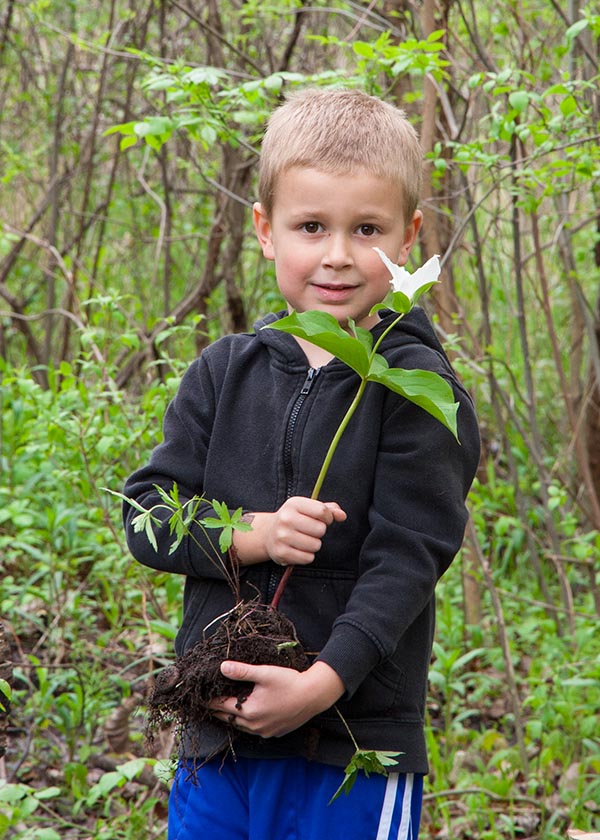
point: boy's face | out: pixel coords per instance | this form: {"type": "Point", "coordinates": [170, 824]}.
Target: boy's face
{"type": "Point", "coordinates": [321, 235]}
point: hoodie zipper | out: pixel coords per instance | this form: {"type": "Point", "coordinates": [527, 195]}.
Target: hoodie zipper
{"type": "Point", "coordinates": [291, 426]}
{"type": "Point", "coordinates": [311, 375]}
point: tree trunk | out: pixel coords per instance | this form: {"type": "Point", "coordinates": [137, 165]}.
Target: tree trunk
{"type": "Point", "coordinates": [592, 410]}
{"type": "Point", "coordinates": [6, 675]}
{"type": "Point", "coordinates": [443, 294]}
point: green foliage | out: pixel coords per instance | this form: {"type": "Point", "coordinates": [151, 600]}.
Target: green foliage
{"type": "Point", "coordinates": [87, 638]}
{"type": "Point", "coordinates": [63, 552]}
{"type": "Point", "coordinates": [5, 695]}
{"type": "Point", "coordinates": [227, 521]}
{"type": "Point", "coordinates": [119, 255]}
{"type": "Point", "coordinates": [183, 516]}
{"type": "Point", "coordinates": [476, 769]}
{"type": "Point", "coordinates": [417, 57]}
{"type": "Point", "coordinates": [367, 762]}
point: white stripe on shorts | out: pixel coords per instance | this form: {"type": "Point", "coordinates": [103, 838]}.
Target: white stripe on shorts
{"type": "Point", "coordinates": [387, 810]}
{"type": "Point", "coordinates": [405, 831]}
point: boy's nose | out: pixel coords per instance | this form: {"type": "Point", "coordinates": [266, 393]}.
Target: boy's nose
{"type": "Point", "coordinates": [338, 251]}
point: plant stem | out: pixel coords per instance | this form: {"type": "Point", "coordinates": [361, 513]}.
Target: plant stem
{"type": "Point", "coordinates": [320, 479]}
{"type": "Point", "coordinates": [383, 335]}
{"type": "Point", "coordinates": [330, 452]}
{"type": "Point", "coordinates": [348, 730]}
{"type": "Point", "coordinates": [336, 439]}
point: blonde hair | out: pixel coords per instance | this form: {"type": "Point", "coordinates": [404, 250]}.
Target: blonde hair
{"type": "Point", "coordinates": [341, 131]}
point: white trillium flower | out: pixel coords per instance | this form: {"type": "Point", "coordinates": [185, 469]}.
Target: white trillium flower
{"type": "Point", "coordinates": [412, 285]}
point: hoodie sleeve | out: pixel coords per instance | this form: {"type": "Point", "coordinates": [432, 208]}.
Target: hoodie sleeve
{"type": "Point", "coordinates": [180, 459]}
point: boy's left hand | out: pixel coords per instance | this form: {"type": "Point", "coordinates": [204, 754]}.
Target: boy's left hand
{"type": "Point", "coordinates": [282, 699]}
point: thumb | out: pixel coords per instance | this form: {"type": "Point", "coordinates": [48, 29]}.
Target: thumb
{"type": "Point", "coordinates": [238, 670]}
{"type": "Point", "coordinates": [339, 515]}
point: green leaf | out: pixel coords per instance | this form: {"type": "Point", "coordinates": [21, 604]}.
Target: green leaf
{"type": "Point", "coordinates": [363, 49]}
{"type": "Point", "coordinates": [519, 100]}
{"type": "Point", "coordinates": [399, 302]}
{"type": "Point", "coordinates": [222, 511]}
{"type": "Point", "coordinates": [226, 539]}
{"type": "Point", "coordinates": [5, 695]}
{"type": "Point", "coordinates": [47, 793]}
{"type": "Point", "coordinates": [127, 143]}
{"type": "Point", "coordinates": [568, 106]}
{"type": "Point", "coordinates": [361, 334]}
{"type": "Point", "coordinates": [108, 783]}
{"type": "Point", "coordinates": [160, 81]}
{"type": "Point", "coordinates": [213, 522]}
{"type": "Point", "coordinates": [436, 35]}
{"type": "Point", "coordinates": [163, 628]}
{"type": "Point", "coordinates": [150, 535]}
{"type": "Point", "coordinates": [369, 761]}
{"type": "Point", "coordinates": [171, 499]}
{"type": "Point", "coordinates": [45, 834]}
{"type": "Point", "coordinates": [127, 128]}
{"type": "Point", "coordinates": [424, 388]}
{"type": "Point", "coordinates": [574, 30]}
{"type": "Point", "coordinates": [12, 793]}
{"type": "Point", "coordinates": [153, 126]}
{"type": "Point", "coordinates": [204, 75]}
{"type": "Point", "coordinates": [227, 521]}
{"type": "Point", "coordinates": [132, 502]}
{"type": "Point", "coordinates": [379, 365]}
{"type": "Point", "coordinates": [322, 330]}
{"type": "Point", "coordinates": [132, 768]}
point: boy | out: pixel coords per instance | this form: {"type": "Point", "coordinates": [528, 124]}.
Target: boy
{"type": "Point", "coordinates": [250, 425]}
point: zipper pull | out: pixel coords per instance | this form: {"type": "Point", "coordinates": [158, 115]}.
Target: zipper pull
{"type": "Point", "coordinates": [308, 382]}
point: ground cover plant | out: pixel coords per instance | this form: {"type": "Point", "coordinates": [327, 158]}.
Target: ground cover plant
{"type": "Point", "coordinates": [86, 628]}
{"type": "Point", "coordinates": [128, 141]}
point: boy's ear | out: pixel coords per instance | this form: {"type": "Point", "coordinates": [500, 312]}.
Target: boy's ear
{"type": "Point", "coordinates": [262, 226]}
{"type": "Point", "coordinates": [410, 236]}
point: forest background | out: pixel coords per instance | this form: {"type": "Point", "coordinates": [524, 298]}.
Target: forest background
{"type": "Point", "coordinates": [129, 134]}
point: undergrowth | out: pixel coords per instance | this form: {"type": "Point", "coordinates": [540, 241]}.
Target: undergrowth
{"type": "Point", "coordinates": [86, 628]}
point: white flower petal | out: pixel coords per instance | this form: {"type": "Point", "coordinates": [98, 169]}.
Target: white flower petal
{"type": "Point", "coordinates": [407, 283]}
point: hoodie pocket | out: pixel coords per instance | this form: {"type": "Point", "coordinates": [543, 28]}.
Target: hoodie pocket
{"type": "Point", "coordinates": [381, 693]}
{"type": "Point", "coordinates": [313, 599]}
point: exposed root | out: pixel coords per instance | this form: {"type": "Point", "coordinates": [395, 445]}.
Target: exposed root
{"type": "Point", "coordinates": [252, 633]}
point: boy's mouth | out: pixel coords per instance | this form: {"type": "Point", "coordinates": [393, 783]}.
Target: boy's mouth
{"type": "Point", "coordinates": [334, 291]}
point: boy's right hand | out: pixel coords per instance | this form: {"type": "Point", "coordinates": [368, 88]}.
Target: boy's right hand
{"type": "Point", "coordinates": [291, 536]}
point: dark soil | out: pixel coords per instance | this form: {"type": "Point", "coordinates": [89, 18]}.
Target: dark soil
{"type": "Point", "coordinates": [252, 633]}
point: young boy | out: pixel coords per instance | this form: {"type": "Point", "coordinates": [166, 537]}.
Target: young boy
{"type": "Point", "coordinates": [250, 425]}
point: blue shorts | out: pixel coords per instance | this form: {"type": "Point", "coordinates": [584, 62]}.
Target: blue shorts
{"type": "Point", "coordinates": [287, 799]}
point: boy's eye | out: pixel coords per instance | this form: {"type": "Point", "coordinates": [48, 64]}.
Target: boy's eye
{"type": "Point", "coordinates": [367, 230]}
{"type": "Point", "coordinates": [311, 227]}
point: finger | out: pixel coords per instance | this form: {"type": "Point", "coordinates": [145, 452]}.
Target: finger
{"type": "Point", "coordinates": [311, 520]}
{"type": "Point", "coordinates": [338, 515]}
{"type": "Point", "coordinates": [287, 556]}
{"type": "Point", "coordinates": [291, 546]}
{"type": "Point", "coordinates": [229, 720]}
{"type": "Point", "coordinates": [309, 540]}
{"type": "Point", "coordinates": [323, 512]}
{"type": "Point", "coordinates": [314, 509]}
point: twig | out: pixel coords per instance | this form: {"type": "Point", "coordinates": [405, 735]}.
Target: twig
{"type": "Point", "coordinates": [205, 26]}
{"type": "Point", "coordinates": [17, 316]}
